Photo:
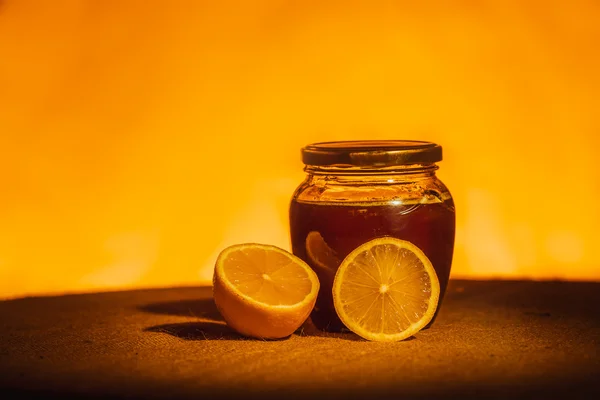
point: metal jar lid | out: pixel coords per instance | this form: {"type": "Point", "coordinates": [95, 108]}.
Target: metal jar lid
{"type": "Point", "coordinates": [371, 153]}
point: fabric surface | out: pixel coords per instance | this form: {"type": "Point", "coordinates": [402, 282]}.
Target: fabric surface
{"type": "Point", "coordinates": [491, 339]}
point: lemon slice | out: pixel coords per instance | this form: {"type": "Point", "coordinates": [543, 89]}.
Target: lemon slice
{"type": "Point", "coordinates": [320, 254]}
{"type": "Point", "coordinates": [386, 290]}
{"type": "Point", "coordinates": [263, 291]}
{"type": "Point", "coordinates": [321, 258]}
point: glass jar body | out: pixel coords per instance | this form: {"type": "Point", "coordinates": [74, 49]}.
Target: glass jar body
{"type": "Point", "coordinates": [336, 210]}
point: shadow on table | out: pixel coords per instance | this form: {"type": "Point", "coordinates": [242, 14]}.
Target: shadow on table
{"type": "Point", "coordinates": [202, 330]}
{"type": "Point", "coordinates": [211, 326]}
{"type": "Point", "coordinates": [309, 329]}
{"type": "Point", "coordinates": [216, 330]}
{"type": "Point", "coordinates": [200, 308]}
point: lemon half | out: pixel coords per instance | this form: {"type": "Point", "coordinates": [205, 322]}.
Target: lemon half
{"type": "Point", "coordinates": [263, 291]}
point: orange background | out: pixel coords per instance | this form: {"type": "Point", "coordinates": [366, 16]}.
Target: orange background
{"type": "Point", "coordinates": [138, 138]}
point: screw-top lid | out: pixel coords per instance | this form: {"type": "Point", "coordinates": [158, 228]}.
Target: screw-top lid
{"type": "Point", "coordinates": [371, 153]}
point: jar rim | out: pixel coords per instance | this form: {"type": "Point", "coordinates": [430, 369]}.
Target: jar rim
{"type": "Point", "coordinates": [371, 153]}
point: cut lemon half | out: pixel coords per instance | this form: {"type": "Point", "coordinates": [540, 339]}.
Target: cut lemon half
{"type": "Point", "coordinates": [386, 290]}
{"type": "Point", "coordinates": [263, 291]}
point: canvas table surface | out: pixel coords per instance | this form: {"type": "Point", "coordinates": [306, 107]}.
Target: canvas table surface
{"type": "Point", "coordinates": [492, 339]}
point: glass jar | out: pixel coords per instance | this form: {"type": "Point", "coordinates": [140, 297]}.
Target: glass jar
{"type": "Point", "coordinates": [356, 191]}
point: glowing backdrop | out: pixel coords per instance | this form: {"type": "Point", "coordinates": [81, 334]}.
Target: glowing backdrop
{"type": "Point", "coordinates": [138, 138]}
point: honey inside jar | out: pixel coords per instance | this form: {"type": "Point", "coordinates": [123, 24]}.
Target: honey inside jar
{"type": "Point", "coordinates": [346, 201]}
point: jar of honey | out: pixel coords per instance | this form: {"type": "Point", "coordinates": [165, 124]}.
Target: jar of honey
{"type": "Point", "coordinates": [356, 191]}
